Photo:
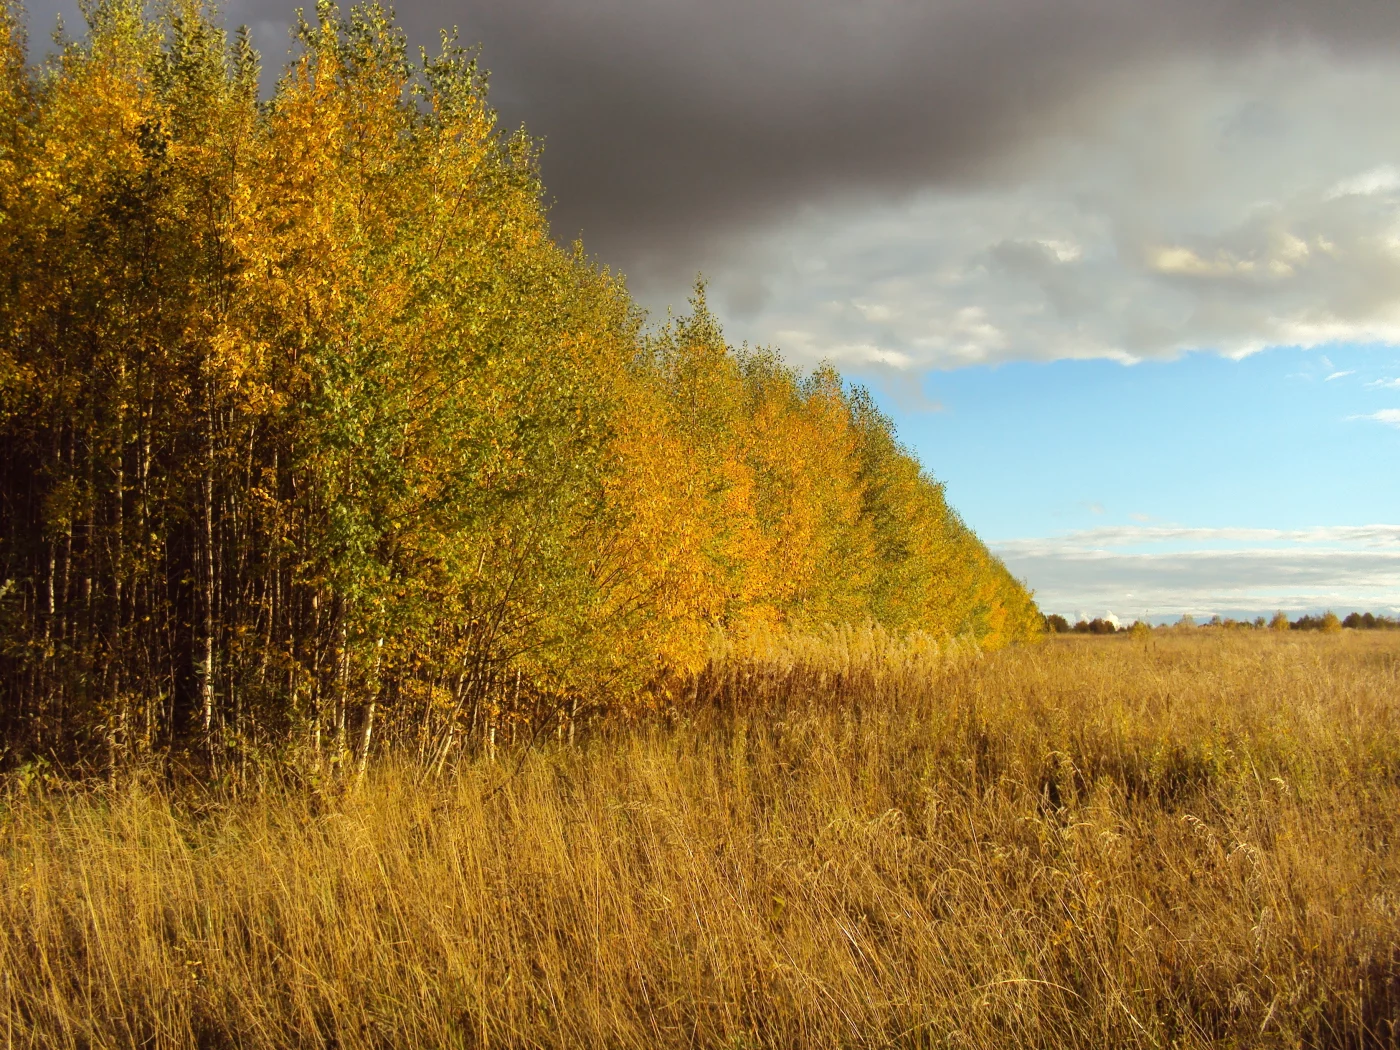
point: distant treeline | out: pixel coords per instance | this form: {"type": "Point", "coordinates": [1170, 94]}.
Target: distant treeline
{"type": "Point", "coordinates": [1366, 622]}
{"type": "Point", "coordinates": [1057, 624]}
{"type": "Point", "coordinates": [313, 436]}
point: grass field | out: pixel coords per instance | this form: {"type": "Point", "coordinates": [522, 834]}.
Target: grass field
{"type": "Point", "coordinates": [1185, 841]}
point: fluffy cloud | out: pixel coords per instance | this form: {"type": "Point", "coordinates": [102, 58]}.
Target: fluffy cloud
{"type": "Point", "coordinates": [1250, 216]}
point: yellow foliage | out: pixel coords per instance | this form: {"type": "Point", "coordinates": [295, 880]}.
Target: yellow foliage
{"type": "Point", "coordinates": [314, 425]}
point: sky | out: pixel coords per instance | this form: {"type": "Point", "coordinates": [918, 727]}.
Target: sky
{"type": "Point", "coordinates": [1126, 274]}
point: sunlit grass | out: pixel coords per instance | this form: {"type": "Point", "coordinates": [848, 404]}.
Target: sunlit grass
{"type": "Point", "coordinates": [1185, 840]}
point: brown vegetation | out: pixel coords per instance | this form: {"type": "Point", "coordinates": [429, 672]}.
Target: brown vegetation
{"type": "Point", "coordinates": [1183, 839]}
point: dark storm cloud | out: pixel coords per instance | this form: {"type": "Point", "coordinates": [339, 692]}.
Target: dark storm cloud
{"type": "Point", "coordinates": [669, 124]}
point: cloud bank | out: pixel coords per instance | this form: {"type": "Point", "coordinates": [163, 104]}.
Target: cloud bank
{"type": "Point", "coordinates": [1163, 571]}
{"type": "Point", "coordinates": [1258, 210]}
{"type": "Point", "coordinates": [903, 185]}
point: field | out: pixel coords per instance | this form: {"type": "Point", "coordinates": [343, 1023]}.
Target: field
{"type": "Point", "coordinates": [1188, 840]}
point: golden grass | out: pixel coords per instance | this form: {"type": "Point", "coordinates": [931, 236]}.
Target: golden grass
{"type": "Point", "coordinates": [1095, 842]}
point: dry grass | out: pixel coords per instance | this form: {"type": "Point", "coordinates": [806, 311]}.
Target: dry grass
{"type": "Point", "coordinates": [1095, 842]}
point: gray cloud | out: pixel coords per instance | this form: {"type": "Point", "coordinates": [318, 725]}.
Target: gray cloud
{"type": "Point", "coordinates": [902, 182]}
{"type": "Point", "coordinates": [1169, 571]}
{"type": "Point", "coordinates": [1153, 231]}
{"type": "Point", "coordinates": [670, 124]}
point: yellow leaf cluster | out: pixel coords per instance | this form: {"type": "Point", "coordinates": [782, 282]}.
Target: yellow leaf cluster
{"type": "Point", "coordinates": [311, 422]}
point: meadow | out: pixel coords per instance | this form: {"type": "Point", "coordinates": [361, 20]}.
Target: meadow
{"type": "Point", "coordinates": [361, 555]}
{"type": "Point", "coordinates": [1181, 840]}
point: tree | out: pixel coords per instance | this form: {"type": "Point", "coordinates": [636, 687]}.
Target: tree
{"type": "Point", "coordinates": [315, 438]}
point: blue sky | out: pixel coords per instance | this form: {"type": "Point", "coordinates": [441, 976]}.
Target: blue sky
{"type": "Point", "coordinates": [1270, 459]}
{"type": "Point", "coordinates": [1034, 449]}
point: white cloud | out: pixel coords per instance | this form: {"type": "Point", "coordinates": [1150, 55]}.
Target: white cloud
{"type": "Point", "coordinates": [1174, 538]}
{"type": "Point", "coordinates": [1063, 251]}
{"type": "Point", "coordinates": [805, 344]}
{"type": "Point", "coordinates": [1389, 416]}
{"type": "Point", "coordinates": [1211, 207]}
{"type": "Point", "coordinates": [1172, 570]}
{"type": "Point", "coordinates": [1385, 384]}
{"type": "Point", "coordinates": [1367, 184]}
{"type": "Point", "coordinates": [1340, 375]}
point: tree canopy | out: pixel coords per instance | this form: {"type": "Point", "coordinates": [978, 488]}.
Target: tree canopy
{"type": "Point", "coordinates": [308, 421]}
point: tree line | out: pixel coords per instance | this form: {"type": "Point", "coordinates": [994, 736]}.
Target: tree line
{"type": "Point", "coordinates": [316, 440]}
{"type": "Point", "coordinates": [1328, 622]}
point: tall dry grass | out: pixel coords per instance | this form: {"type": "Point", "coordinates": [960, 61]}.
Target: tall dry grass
{"type": "Point", "coordinates": [1095, 842]}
